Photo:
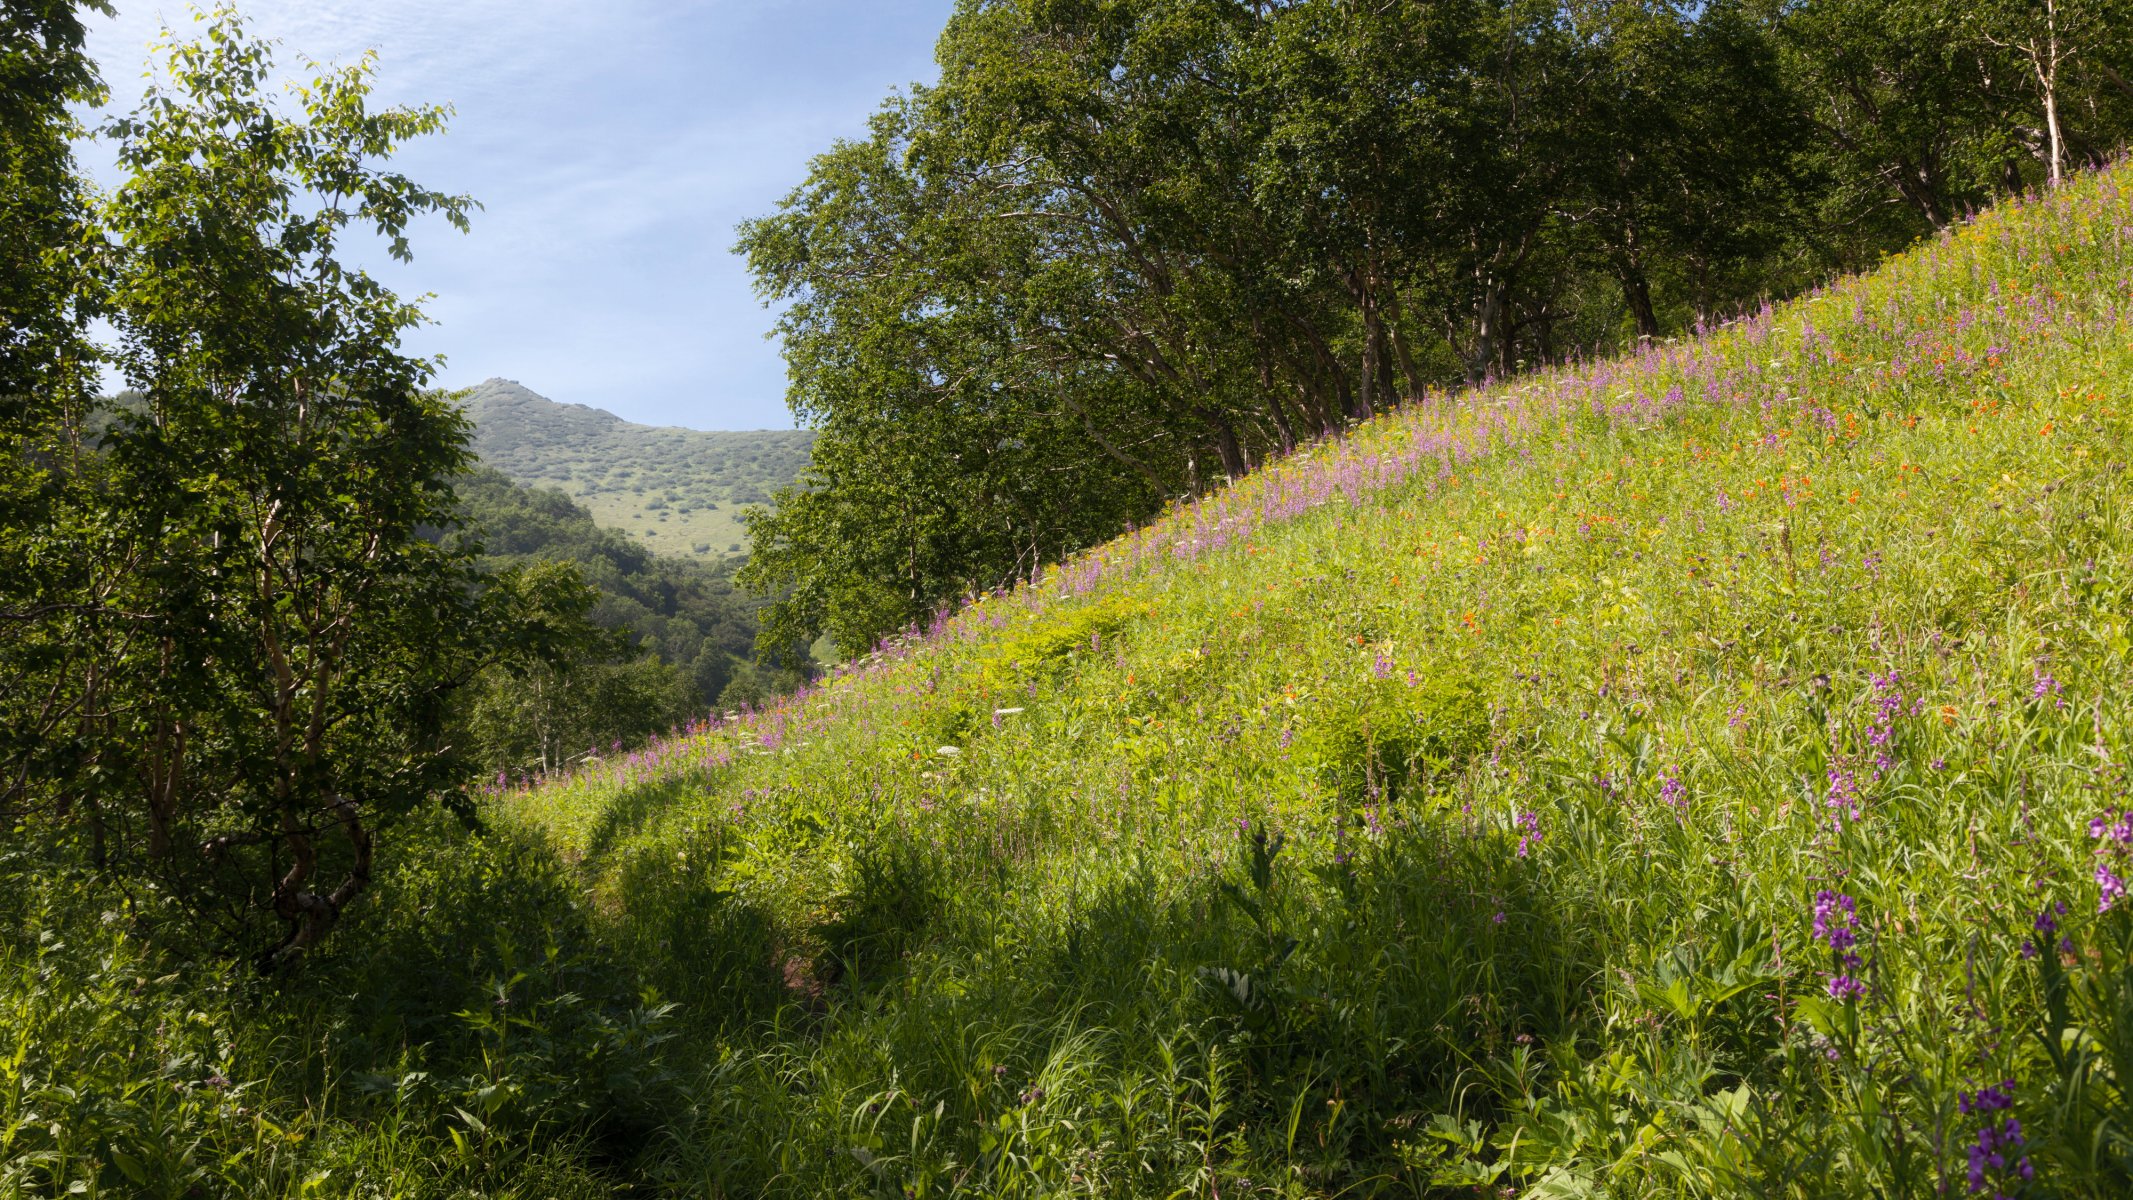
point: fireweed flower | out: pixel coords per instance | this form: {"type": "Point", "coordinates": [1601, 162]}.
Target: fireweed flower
{"type": "Point", "coordinates": [1837, 926]}
{"type": "Point", "coordinates": [1842, 798]}
{"type": "Point", "coordinates": [1996, 1159]}
{"type": "Point", "coordinates": [2110, 887]}
{"type": "Point", "coordinates": [1529, 836]}
{"type": "Point", "coordinates": [1674, 792]}
{"type": "Point", "coordinates": [2114, 833]}
{"type": "Point", "coordinates": [1881, 731]}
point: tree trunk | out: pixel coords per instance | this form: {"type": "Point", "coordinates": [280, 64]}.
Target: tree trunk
{"type": "Point", "coordinates": [1416, 386]}
{"type": "Point", "coordinates": [2047, 65]}
{"type": "Point", "coordinates": [1488, 322]}
{"type": "Point", "coordinates": [310, 914]}
{"type": "Point", "coordinates": [1275, 408]}
{"type": "Point", "coordinates": [1362, 283]}
{"type": "Point", "coordinates": [1226, 444]}
{"type": "Point", "coordinates": [1637, 291]}
{"type": "Point", "coordinates": [1491, 320]}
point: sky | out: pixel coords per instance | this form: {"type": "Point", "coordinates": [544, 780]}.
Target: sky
{"type": "Point", "coordinates": [614, 145]}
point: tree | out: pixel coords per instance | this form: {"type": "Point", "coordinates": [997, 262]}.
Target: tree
{"type": "Point", "coordinates": [536, 712]}
{"type": "Point", "coordinates": [2050, 39]}
{"type": "Point", "coordinates": [47, 371]}
{"type": "Point", "coordinates": [1126, 249]}
{"type": "Point", "coordinates": [242, 631]}
{"type": "Point", "coordinates": [42, 71]}
{"type": "Point", "coordinates": [952, 454]}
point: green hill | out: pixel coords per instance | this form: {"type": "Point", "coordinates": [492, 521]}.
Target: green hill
{"type": "Point", "coordinates": [1669, 776]}
{"type": "Point", "coordinates": [678, 491]}
{"type": "Point", "coordinates": [1700, 773]}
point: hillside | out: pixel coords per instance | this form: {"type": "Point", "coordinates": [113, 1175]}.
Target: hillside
{"type": "Point", "coordinates": [684, 611]}
{"type": "Point", "coordinates": [1699, 773]}
{"type": "Point", "coordinates": [1693, 774]}
{"type": "Point", "coordinates": [678, 491]}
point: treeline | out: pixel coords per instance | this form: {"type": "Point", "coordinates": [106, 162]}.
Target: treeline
{"type": "Point", "coordinates": [679, 638]}
{"type": "Point", "coordinates": [1127, 248]}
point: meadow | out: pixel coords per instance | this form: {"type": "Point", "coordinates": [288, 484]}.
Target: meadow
{"type": "Point", "coordinates": [1695, 773]}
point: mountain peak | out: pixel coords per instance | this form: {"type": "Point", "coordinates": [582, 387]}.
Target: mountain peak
{"type": "Point", "coordinates": [491, 397]}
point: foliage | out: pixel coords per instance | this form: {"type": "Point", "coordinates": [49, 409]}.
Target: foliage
{"type": "Point", "coordinates": [681, 638]}
{"type": "Point", "coordinates": [537, 718]}
{"type": "Point", "coordinates": [1125, 250]}
{"type": "Point", "coordinates": [474, 1044]}
{"type": "Point", "coordinates": [685, 612]}
{"type": "Point", "coordinates": [231, 642]}
{"type": "Point", "coordinates": [1765, 833]}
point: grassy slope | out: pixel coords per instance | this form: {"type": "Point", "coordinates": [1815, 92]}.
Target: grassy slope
{"type": "Point", "coordinates": [680, 491]}
{"type": "Point", "coordinates": [1831, 599]}
{"type": "Point", "coordinates": [1547, 690]}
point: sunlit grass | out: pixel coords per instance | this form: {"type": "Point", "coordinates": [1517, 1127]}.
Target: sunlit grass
{"type": "Point", "coordinates": [1445, 807]}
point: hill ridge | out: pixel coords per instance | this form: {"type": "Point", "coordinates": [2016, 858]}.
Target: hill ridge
{"type": "Point", "coordinates": [674, 489]}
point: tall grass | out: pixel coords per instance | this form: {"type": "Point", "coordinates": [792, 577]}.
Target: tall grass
{"type": "Point", "coordinates": [1697, 774]}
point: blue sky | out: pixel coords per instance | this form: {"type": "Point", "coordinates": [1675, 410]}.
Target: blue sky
{"type": "Point", "coordinates": [614, 145]}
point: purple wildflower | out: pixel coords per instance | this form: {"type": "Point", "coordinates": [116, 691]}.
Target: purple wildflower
{"type": "Point", "coordinates": [1843, 797]}
{"type": "Point", "coordinates": [2110, 887]}
{"type": "Point", "coordinates": [2046, 924]}
{"type": "Point", "coordinates": [1836, 917]}
{"type": "Point", "coordinates": [1674, 792]}
{"type": "Point", "coordinates": [1530, 835]}
{"type": "Point", "coordinates": [1996, 1158]}
{"type": "Point", "coordinates": [1837, 925]}
{"type": "Point", "coordinates": [2115, 831]}
{"type": "Point", "coordinates": [1845, 988]}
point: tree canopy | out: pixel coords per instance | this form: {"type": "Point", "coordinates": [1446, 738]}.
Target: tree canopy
{"type": "Point", "coordinates": [1125, 249]}
{"type": "Point", "coordinates": [232, 635]}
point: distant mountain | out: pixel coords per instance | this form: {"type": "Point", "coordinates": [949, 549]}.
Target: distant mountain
{"type": "Point", "coordinates": [676, 491]}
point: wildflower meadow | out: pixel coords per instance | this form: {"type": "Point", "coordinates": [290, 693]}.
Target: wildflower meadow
{"type": "Point", "coordinates": [1696, 773]}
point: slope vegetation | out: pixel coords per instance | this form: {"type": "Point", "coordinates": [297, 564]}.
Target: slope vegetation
{"type": "Point", "coordinates": [1694, 774]}
{"type": "Point", "coordinates": [679, 491]}
{"type": "Point", "coordinates": [1698, 774]}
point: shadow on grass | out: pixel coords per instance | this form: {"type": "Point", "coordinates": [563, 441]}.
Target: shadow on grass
{"type": "Point", "coordinates": [632, 810]}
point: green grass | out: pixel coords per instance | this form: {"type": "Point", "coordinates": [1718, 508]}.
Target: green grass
{"type": "Point", "coordinates": [1440, 812]}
